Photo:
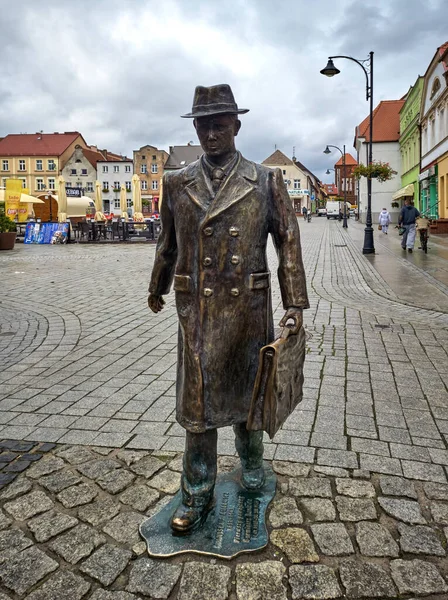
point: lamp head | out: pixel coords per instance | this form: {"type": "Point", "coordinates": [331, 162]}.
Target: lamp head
{"type": "Point", "coordinates": [330, 70]}
{"type": "Point", "coordinates": [327, 150]}
{"type": "Point", "coordinates": [327, 172]}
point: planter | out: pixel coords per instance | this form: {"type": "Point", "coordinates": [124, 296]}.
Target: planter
{"type": "Point", "coordinates": [7, 240]}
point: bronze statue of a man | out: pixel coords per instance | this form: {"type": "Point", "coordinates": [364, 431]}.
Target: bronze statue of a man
{"type": "Point", "coordinates": [216, 216]}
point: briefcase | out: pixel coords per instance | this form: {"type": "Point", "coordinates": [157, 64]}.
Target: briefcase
{"type": "Point", "coordinates": [279, 382]}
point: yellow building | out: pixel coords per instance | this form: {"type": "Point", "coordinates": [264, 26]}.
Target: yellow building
{"type": "Point", "coordinates": [37, 159]}
{"type": "Point", "coordinates": [149, 163]}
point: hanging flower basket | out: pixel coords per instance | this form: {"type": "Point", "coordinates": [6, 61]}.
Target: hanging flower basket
{"type": "Point", "coordinates": [395, 204]}
{"type": "Point", "coordinates": [375, 170]}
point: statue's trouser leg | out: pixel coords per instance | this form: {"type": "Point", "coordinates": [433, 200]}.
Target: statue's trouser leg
{"type": "Point", "coordinates": [249, 445]}
{"type": "Point", "coordinates": [199, 474]}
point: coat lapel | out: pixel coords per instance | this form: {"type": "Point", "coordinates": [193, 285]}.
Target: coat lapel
{"type": "Point", "coordinates": [240, 182]}
{"type": "Point", "coordinates": [196, 186]}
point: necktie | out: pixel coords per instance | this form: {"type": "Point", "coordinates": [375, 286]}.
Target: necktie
{"type": "Point", "coordinates": [218, 176]}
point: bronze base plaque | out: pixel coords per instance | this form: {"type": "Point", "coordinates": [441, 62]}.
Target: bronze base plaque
{"type": "Point", "coordinates": [236, 524]}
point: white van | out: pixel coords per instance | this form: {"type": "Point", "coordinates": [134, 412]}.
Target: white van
{"type": "Point", "coordinates": [332, 210]}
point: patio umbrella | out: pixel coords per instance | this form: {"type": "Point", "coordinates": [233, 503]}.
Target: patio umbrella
{"type": "Point", "coordinates": [98, 197]}
{"type": "Point", "coordinates": [123, 204]}
{"type": "Point", "coordinates": [62, 200]}
{"type": "Point", "coordinates": [23, 198]}
{"type": "Point", "coordinates": [137, 198]}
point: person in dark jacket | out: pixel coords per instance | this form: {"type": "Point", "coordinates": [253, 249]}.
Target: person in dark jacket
{"type": "Point", "coordinates": [217, 214]}
{"type": "Point", "coordinates": [407, 218]}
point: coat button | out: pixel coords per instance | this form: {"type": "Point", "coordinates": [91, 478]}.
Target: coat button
{"type": "Point", "coordinates": [208, 231]}
{"type": "Point", "coordinates": [235, 292]}
{"type": "Point", "coordinates": [235, 260]}
{"type": "Point", "coordinates": [234, 231]}
{"type": "Point", "coordinates": [207, 261]}
{"type": "Point", "coordinates": [208, 292]}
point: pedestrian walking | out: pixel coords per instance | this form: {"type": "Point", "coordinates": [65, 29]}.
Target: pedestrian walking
{"type": "Point", "coordinates": [408, 215]}
{"type": "Point", "coordinates": [384, 220]}
{"type": "Point", "coordinates": [304, 212]}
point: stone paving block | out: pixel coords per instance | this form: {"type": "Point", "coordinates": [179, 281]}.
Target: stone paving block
{"type": "Point", "coordinates": [11, 542]}
{"type": "Point", "coordinates": [375, 540]}
{"type": "Point", "coordinates": [124, 528]}
{"type": "Point", "coordinates": [153, 578]}
{"type": "Point", "coordinates": [366, 580]}
{"type": "Point", "coordinates": [290, 469]}
{"type": "Point", "coordinates": [56, 482]}
{"type": "Point", "coordinates": [310, 487]}
{"type": "Point", "coordinates": [77, 495]}
{"type": "Point", "coordinates": [380, 464]}
{"type": "Point", "coordinates": [45, 466]}
{"type": "Point", "coordinates": [106, 563]}
{"type": "Point", "coordinates": [355, 509]}
{"type": "Point", "coordinates": [423, 471]}
{"type": "Point", "coordinates": [147, 466]}
{"type": "Point", "coordinates": [77, 544]}
{"type": "Point", "coordinates": [4, 520]}
{"type": "Point", "coordinates": [404, 510]}
{"type": "Point", "coordinates": [397, 486]}
{"type": "Point", "coordinates": [75, 455]}
{"type": "Point", "coordinates": [420, 540]}
{"type": "Point", "coordinates": [324, 440]}
{"type": "Point", "coordinates": [28, 506]}
{"type": "Point", "coordinates": [318, 509]}
{"type": "Point", "coordinates": [23, 570]}
{"type": "Point", "coordinates": [284, 512]}
{"type": "Point", "coordinates": [434, 491]}
{"type": "Point", "coordinates": [410, 453]}
{"type": "Point", "coordinates": [166, 481]}
{"type": "Point", "coordinates": [16, 488]}
{"type": "Point", "coordinates": [99, 512]}
{"type": "Point", "coordinates": [439, 512]}
{"type": "Point", "coordinates": [129, 457]}
{"type": "Point", "coordinates": [98, 467]}
{"type": "Point", "coordinates": [50, 524]}
{"type": "Point", "coordinates": [100, 594]}
{"type": "Point", "coordinates": [62, 584]}
{"type": "Point", "coordinates": [332, 539]}
{"type": "Point", "coordinates": [393, 434]}
{"type": "Point", "coordinates": [295, 543]}
{"type": "Point", "coordinates": [261, 581]}
{"type": "Point", "coordinates": [295, 453]}
{"type": "Point", "coordinates": [417, 577]}
{"type": "Point", "coordinates": [355, 489]}
{"type": "Point", "coordinates": [203, 581]}
{"type": "Point", "coordinates": [337, 458]}
{"type": "Point", "coordinates": [116, 481]}
{"type": "Point", "coordinates": [314, 582]}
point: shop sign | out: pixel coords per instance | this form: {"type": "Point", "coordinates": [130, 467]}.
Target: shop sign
{"type": "Point", "coordinates": [299, 192]}
{"type": "Point", "coordinates": [73, 192]}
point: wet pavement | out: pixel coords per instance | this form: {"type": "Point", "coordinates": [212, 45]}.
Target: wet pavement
{"type": "Point", "coordinates": [87, 394]}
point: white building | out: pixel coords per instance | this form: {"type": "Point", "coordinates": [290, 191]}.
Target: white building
{"type": "Point", "coordinates": [386, 148]}
{"type": "Point", "coordinates": [295, 178]}
{"type": "Point", "coordinates": [80, 171]}
{"type": "Point", "coordinates": [112, 174]}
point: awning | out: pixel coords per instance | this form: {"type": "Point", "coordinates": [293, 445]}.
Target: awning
{"type": "Point", "coordinates": [76, 207]}
{"type": "Point", "coordinates": [407, 190]}
{"type": "Point", "coordinates": [23, 198]}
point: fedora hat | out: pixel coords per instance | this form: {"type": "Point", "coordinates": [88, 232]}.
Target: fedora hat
{"type": "Point", "coordinates": [214, 100]}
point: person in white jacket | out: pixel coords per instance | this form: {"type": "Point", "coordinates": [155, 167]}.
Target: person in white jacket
{"type": "Point", "coordinates": [384, 220]}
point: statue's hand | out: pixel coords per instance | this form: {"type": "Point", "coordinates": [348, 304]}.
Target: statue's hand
{"type": "Point", "coordinates": [296, 314]}
{"type": "Point", "coordinates": [155, 303]}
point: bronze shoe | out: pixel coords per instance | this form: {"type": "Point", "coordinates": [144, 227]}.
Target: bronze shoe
{"type": "Point", "coordinates": [188, 518]}
{"type": "Point", "coordinates": [253, 479]}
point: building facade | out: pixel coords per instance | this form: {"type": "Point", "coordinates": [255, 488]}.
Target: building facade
{"type": "Point", "coordinates": [37, 159]}
{"type": "Point", "coordinates": [112, 174]}
{"type": "Point", "coordinates": [410, 145]}
{"type": "Point", "coordinates": [345, 180]}
{"type": "Point", "coordinates": [386, 148]}
{"type": "Point", "coordinates": [149, 164]}
{"type": "Point", "coordinates": [80, 171]}
{"type": "Point", "coordinates": [434, 140]}
{"type": "Point", "coordinates": [295, 178]}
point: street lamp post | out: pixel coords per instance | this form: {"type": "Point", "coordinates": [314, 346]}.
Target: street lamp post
{"type": "Point", "coordinates": [344, 179]}
{"type": "Point", "coordinates": [330, 70]}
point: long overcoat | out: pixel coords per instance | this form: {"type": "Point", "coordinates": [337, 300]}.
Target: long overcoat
{"type": "Point", "coordinates": [215, 250]}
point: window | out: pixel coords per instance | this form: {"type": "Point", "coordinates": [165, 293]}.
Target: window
{"type": "Point", "coordinates": [79, 184]}
{"type": "Point", "coordinates": [154, 157]}
{"type": "Point", "coordinates": [105, 186]}
{"type": "Point", "coordinates": [144, 185]}
{"type": "Point", "coordinates": [155, 185]}
{"type": "Point", "coordinates": [117, 185]}
{"type": "Point", "coordinates": [117, 203]}
{"type": "Point", "coordinates": [128, 186]}
{"type": "Point", "coordinates": [51, 165]}
{"type": "Point", "coordinates": [51, 183]}
{"type": "Point", "coordinates": [40, 184]}
{"type": "Point", "coordinates": [5, 165]}
{"type": "Point", "coordinates": [23, 182]}
{"type": "Point", "coordinates": [297, 184]}
{"type": "Point", "coordinates": [22, 165]}
{"type": "Point", "coordinates": [127, 168]}
{"type": "Point", "coordinates": [143, 157]}
{"type": "Point", "coordinates": [105, 169]}
{"type": "Point", "coordinates": [38, 164]}
{"type": "Point", "coordinates": [143, 169]}
{"type": "Point", "coordinates": [129, 202]}
{"type": "Point", "coordinates": [116, 169]}
{"type": "Point", "coordinates": [284, 172]}
{"type": "Point", "coordinates": [72, 171]}
{"type": "Point", "coordinates": [154, 169]}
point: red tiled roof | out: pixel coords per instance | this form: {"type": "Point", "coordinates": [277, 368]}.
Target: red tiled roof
{"type": "Point", "coordinates": [93, 157]}
{"type": "Point", "coordinates": [386, 122]}
{"type": "Point", "coordinates": [349, 160]}
{"type": "Point", "coordinates": [277, 159]}
{"type": "Point", "coordinates": [37, 144]}
{"type": "Point", "coordinates": [331, 189]}
{"type": "Point", "coordinates": [443, 50]}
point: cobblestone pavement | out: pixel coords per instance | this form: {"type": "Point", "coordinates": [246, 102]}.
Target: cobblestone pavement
{"type": "Point", "coordinates": [87, 399]}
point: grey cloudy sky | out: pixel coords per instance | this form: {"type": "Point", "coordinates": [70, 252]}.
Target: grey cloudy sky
{"type": "Point", "coordinates": [122, 71]}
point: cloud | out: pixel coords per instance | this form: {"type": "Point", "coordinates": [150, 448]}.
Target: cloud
{"type": "Point", "coordinates": [122, 73]}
